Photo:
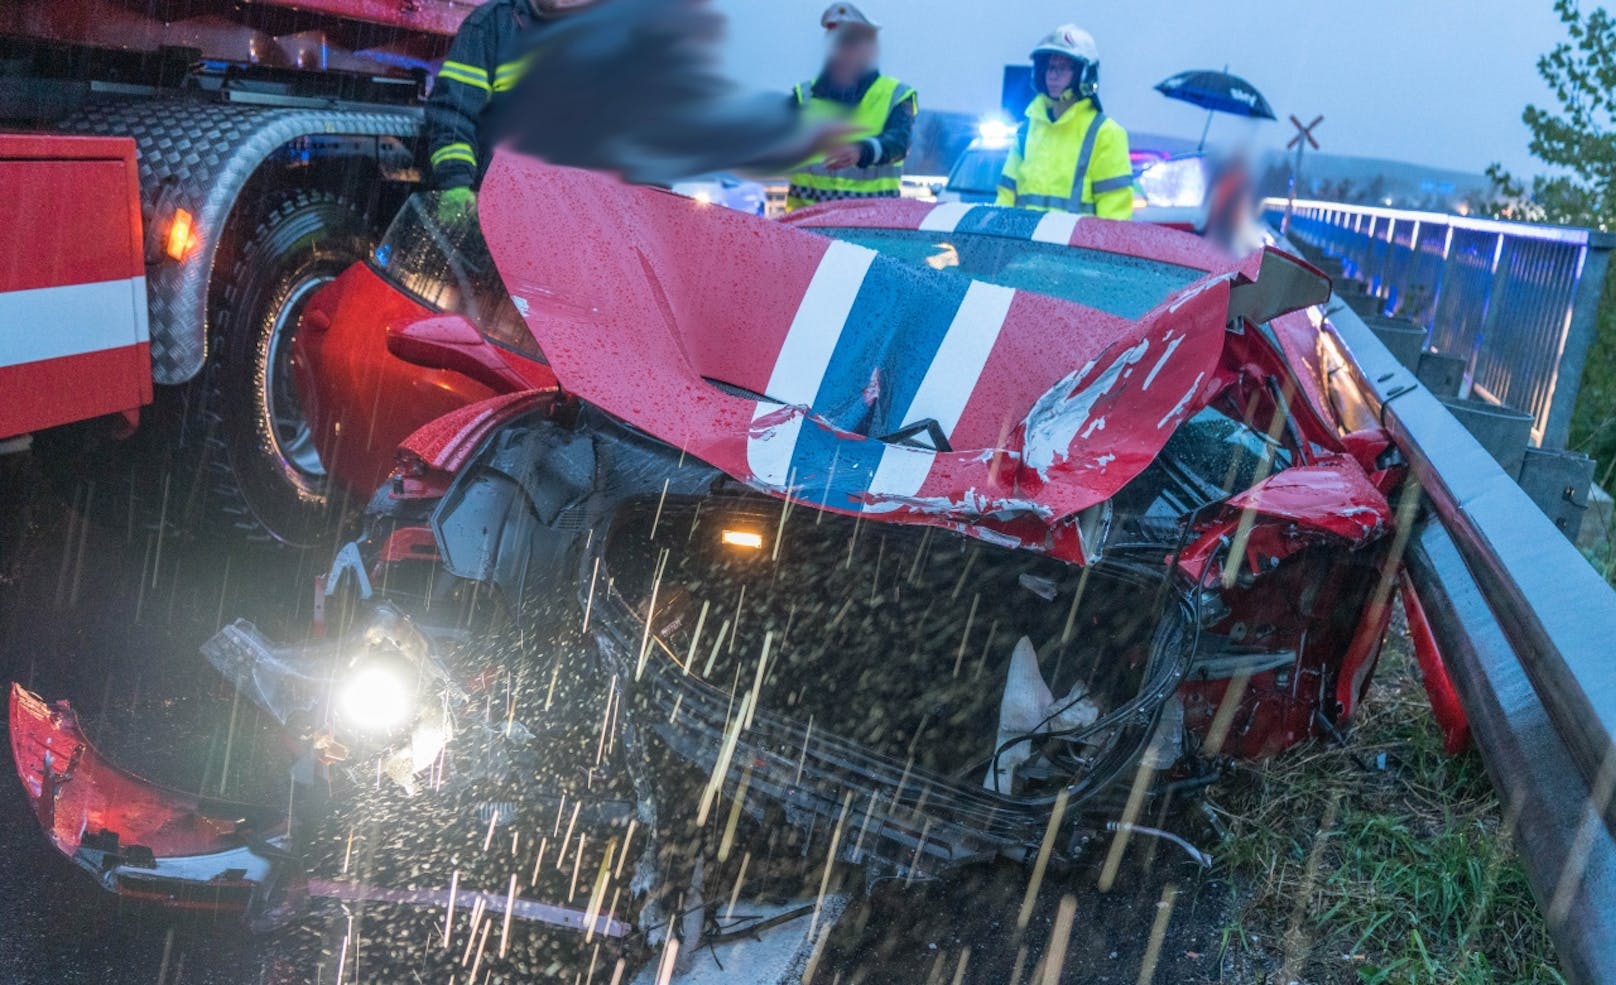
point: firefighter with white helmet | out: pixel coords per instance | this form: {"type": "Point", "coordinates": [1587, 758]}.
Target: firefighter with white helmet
{"type": "Point", "coordinates": [878, 110]}
{"type": "Point", "coordinates": [1069, 155]}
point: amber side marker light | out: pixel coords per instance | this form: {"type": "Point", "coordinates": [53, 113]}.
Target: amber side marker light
{"type": "Point", "coordinates": [181, 237]}
{"type": "Point", "coordinates": [748, 539]}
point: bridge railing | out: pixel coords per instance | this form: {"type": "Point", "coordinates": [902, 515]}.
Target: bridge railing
{"type": "Point", "coordinates": [1525, 627]}
{"type": "Point", "coordinates": [1518, 303]}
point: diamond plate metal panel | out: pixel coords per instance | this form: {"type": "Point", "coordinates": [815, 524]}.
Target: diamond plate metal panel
{"type": "Point", "coordinates": [209, 150]}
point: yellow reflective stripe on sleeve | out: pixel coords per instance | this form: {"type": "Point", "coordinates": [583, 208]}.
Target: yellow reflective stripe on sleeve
{"type": "Point", "coordinates": [454, 152]}
{"type": "Point", "coordinates": [465, 69]}
{"type": "Point", "coordinates": [465, 75]}
{"type": "Point", "coordinates": [507, 75]}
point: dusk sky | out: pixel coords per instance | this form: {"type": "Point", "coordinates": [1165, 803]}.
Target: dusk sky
{"type": "Point", "coordinates": [1438, 82]}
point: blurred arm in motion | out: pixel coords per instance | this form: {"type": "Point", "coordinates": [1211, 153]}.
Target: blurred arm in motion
{"type": "Point", "coordinates": [632, 87]}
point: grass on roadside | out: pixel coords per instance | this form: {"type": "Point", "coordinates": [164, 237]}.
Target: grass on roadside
{"type": "Point", "coordinates": [1384, 861]}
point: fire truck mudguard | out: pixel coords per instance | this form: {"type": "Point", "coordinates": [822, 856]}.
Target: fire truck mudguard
{"type": "Point", "coordinates": [207, 152]}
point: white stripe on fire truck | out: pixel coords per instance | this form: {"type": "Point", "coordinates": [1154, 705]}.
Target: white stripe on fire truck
{"type": "Point", "coordinates": [56, 322]}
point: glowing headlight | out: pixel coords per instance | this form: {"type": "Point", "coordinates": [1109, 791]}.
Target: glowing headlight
{"type": "Point", "coordinates": [377, 697]}
{"type": "Point", "coordinates": [996, 133]}
{"type": "Point", "coordinates": [1178, 183]}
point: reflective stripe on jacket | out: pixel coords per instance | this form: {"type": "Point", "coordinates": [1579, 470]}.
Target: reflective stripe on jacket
{"type": "Point", "coordinates": [1077, 163]}
{"type": "Point", "coordinates": [486, 59]}
{"type": "Point", "coordinates": [813, 182]}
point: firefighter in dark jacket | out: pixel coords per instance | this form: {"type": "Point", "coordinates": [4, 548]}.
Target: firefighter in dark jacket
{"type": "Point", "coordinates": [879, 110]}
{"type": "Point", "coordinates": [485, 61]}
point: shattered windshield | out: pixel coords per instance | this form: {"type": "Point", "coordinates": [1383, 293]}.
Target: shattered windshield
{"type": "Point", "coordinates": [1114, 283]}
{"type": "Point", "coordinates": [1210, 457]}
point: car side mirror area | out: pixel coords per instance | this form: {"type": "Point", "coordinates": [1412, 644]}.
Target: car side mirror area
{"type": "Point", "coordinates": [452, 343]}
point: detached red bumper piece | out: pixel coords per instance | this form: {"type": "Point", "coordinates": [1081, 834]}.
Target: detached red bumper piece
{"type": "Point", "coordinates": [136, 838]}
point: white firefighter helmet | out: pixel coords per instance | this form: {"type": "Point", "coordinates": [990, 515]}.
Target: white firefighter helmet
{"type": "Point", "coordinates": [845, 16]}
{"type": "Point", "coordinates": [1072, 42]}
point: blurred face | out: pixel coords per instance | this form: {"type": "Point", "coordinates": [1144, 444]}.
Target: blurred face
{"type": "Point", "coordinates": [1059, 75]}
{"type": "Point", "coordinates": [852, 54]}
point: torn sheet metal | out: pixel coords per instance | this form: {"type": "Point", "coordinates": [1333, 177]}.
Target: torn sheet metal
{"type": "Point", "coordinates": [1332, 495]}
{"type": "Point", "coordinates": [847, 379]}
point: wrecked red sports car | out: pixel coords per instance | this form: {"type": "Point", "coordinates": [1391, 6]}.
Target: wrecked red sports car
{"type": "Point", "coordinates": [910, 526]}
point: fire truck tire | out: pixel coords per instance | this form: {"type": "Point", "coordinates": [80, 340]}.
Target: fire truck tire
{"type": "Point", "coordinates": [270, 478]}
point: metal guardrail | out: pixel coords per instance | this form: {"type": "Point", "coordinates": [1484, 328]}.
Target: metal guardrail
{"type": "Point", "coordinates": [1517, 302]}
{"type": "Point", "coordinates": [1527, 630]}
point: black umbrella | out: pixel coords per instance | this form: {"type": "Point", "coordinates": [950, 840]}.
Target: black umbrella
{"type": "Point", "coordinates": [1217, 92]}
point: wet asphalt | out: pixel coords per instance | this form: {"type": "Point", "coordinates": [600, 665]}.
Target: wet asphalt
{"type": "Point", "coordinates": [97, 608]}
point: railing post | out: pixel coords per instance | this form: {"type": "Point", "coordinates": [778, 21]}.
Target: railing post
{"type": "Point", "coordinates": [1519, 303]}
{"type": "Point", "coordinates": [1582, 327]}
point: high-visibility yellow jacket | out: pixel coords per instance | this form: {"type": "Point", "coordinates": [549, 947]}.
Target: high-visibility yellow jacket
{"type": "Point", "coordinates": [1076, 163]}
{"type": "Point", "coordinates": [880, 174]}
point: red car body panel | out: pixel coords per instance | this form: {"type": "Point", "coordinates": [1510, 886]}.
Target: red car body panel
{"type": "Point", "coordinates": [447, 442]}
{"type": "Point", "coordinates": [664, 296]}
{"type": "Point", "coordinates": [361, 400]}
{"type": "Point", "coordinates": [1163, 243]}
{"type": "Point", "coordinates": [1439, 688]}
{"type": "Point", "coordinates": [137, 838]}
{"type": "Point", "coordinates": [1331, 496]}
{"type": "Point", "coordinates": [669, 298]}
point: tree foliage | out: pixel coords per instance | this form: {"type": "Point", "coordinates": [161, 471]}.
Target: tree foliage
{"type": "Point", "coordinates": [1576, 136]}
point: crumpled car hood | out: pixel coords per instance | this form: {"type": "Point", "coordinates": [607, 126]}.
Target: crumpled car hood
{"type": "Point", "coordinates": [785, 358]}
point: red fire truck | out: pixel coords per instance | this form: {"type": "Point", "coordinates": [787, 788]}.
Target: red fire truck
{"type": "Point", "coordinates": [177, 177]}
